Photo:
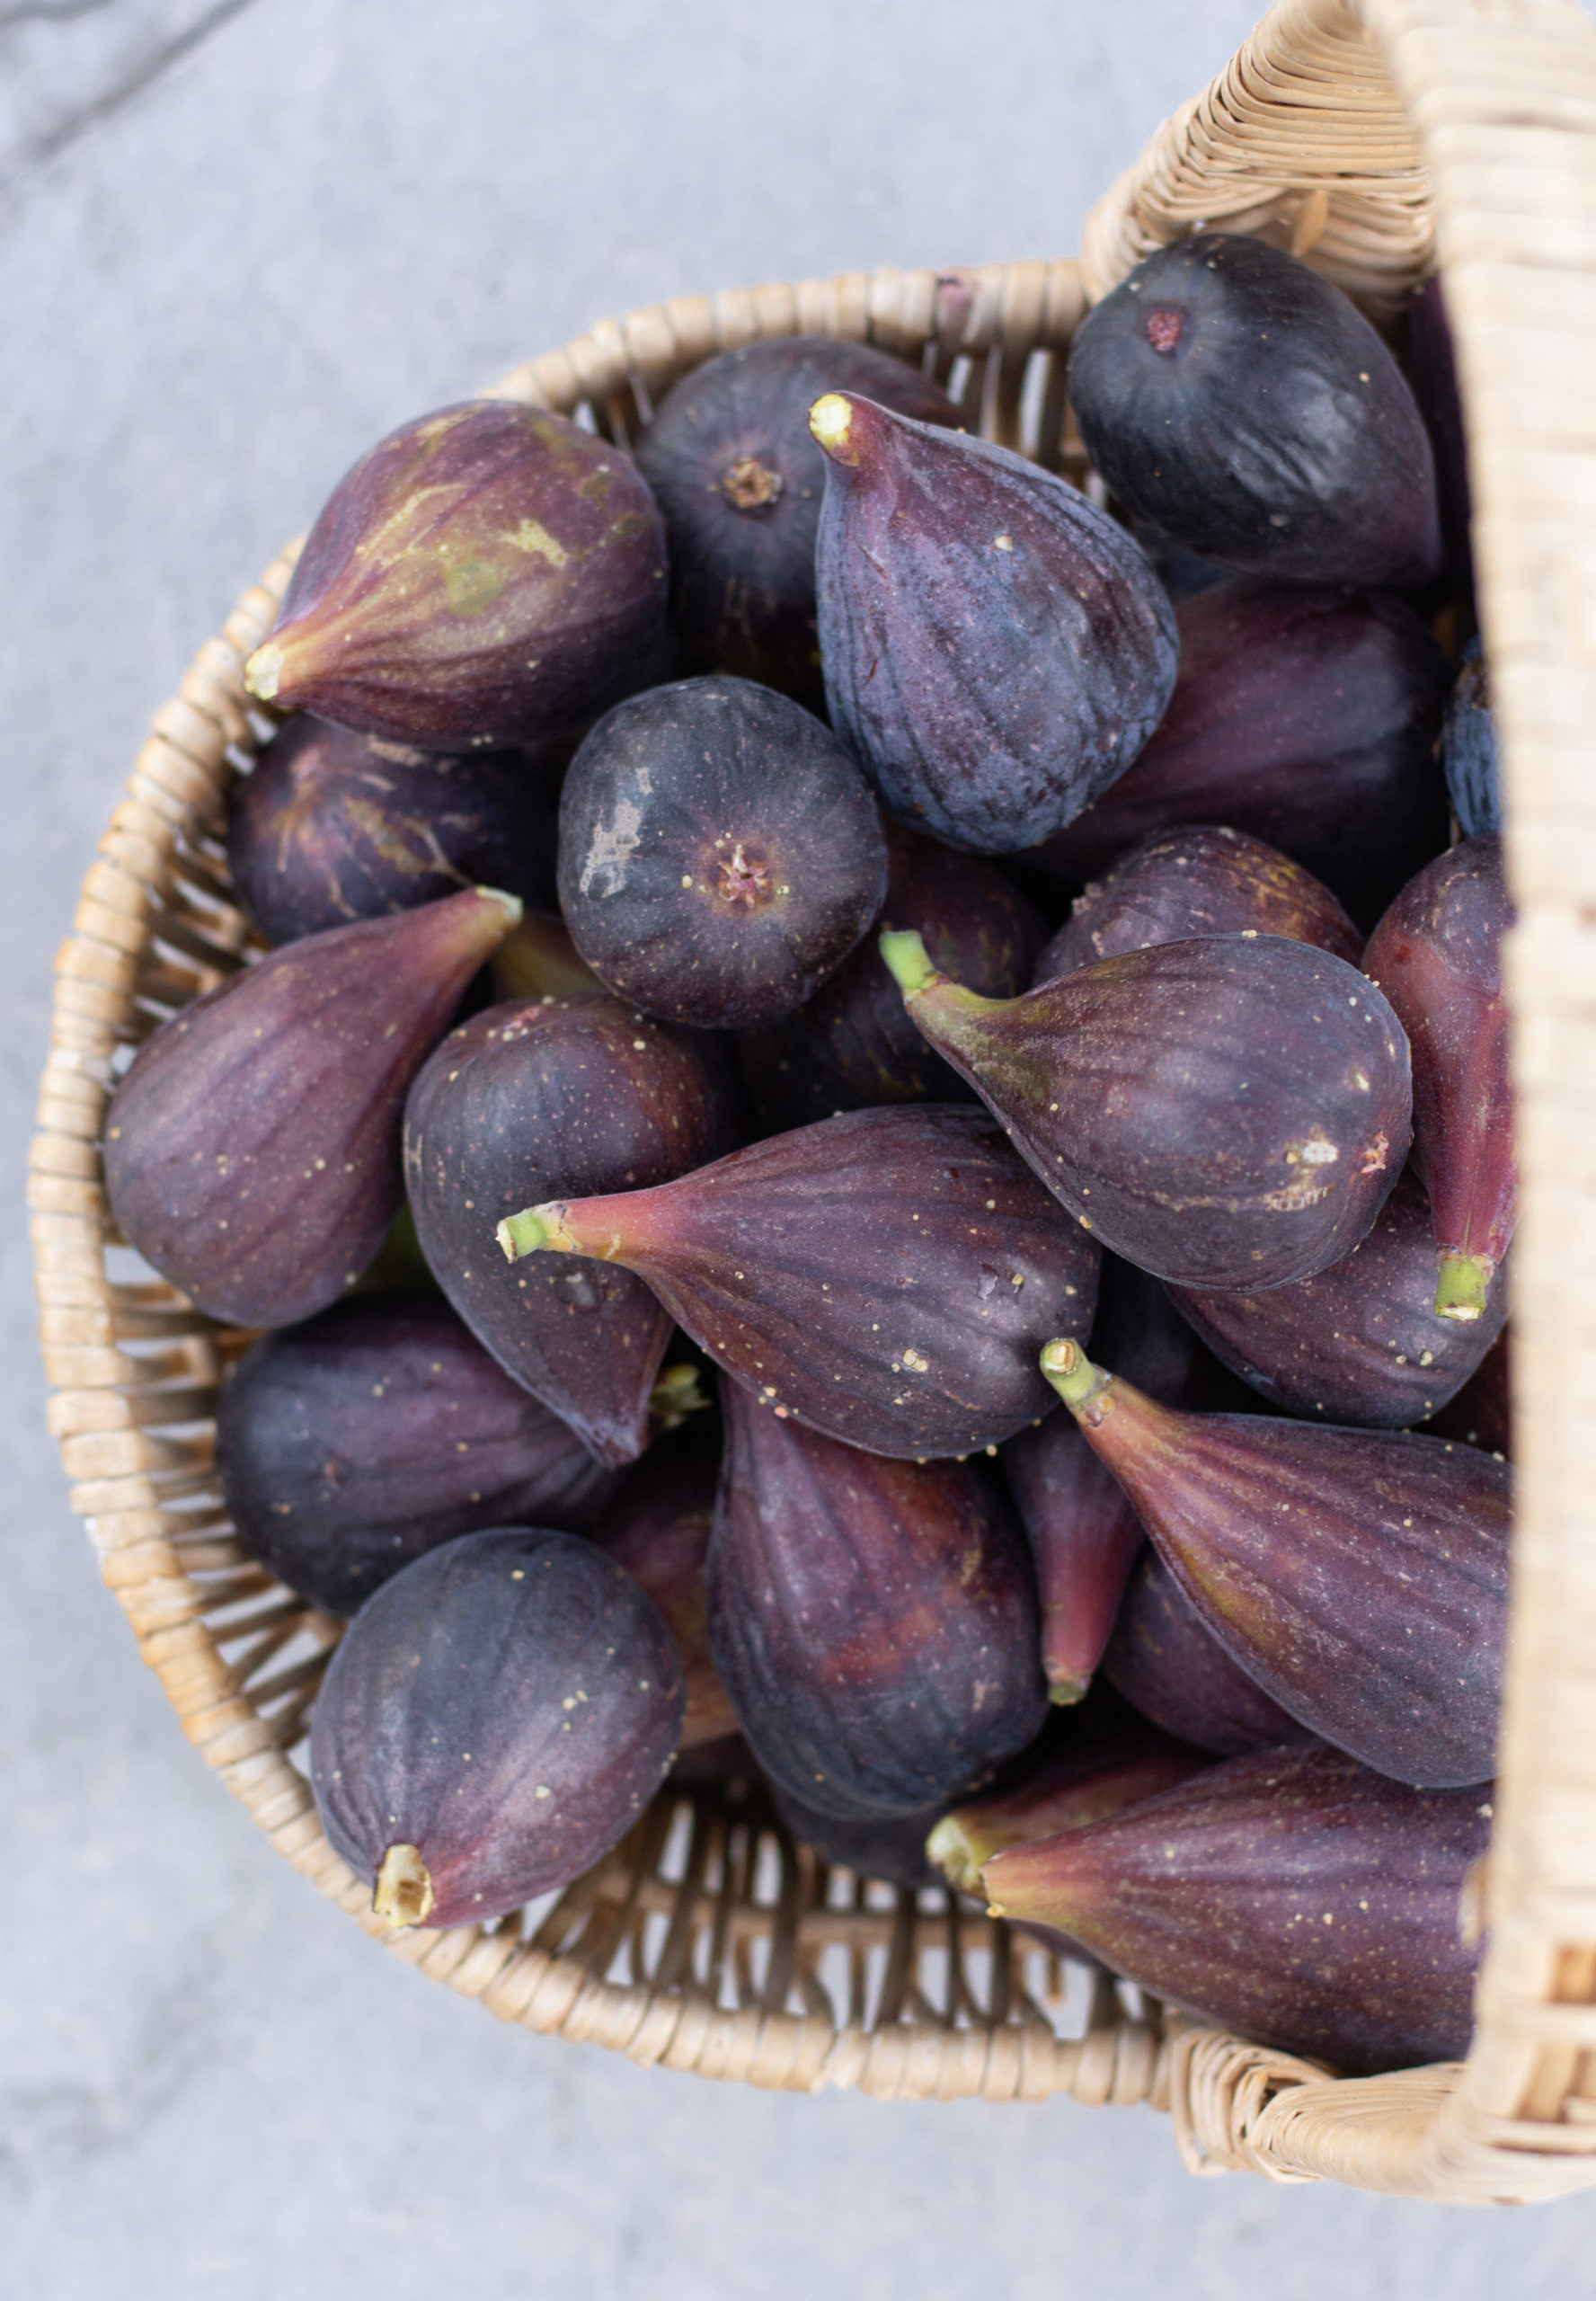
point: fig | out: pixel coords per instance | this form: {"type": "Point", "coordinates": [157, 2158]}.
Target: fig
{"type": "Point", "coordinates": [851, 1044]}
{"type": "Point", "coordinates": [1198, 879]}
{"type": "Point", "coordinates": [1083, 1538]}
{"type": "Point", "coordinates": [719, 853]}
{"type": "Point", "coordinates": [890, 1846]}
{"type": "Point", "coordinates": [530, 1099]}
{"type": "Point", "coordinates": [1140, 1333]}
{"type": "Point", "coordinates": [539, 960]}
{"type": "Point", "coordinates": [498, 1715]}
{"type": "Point", "coordinates": [1432, 369]}
{"type": "Point", "coordinates": [1360, 1577]}
{"type": "Point", "coordinates": [731, 464]}
{"type": "Point", "coordinates": [1436, 954]}
{"type": "Point", "coordinates": [884, 1277]}
{"type": "Point", "coordinates": [1481, 1414]}
{"type": "Point", "coordinates": [331, 826]}
{"type": "Point", "coordinates": [997, 650]}
{"type": "Point", "coordinates": [1224, 1112]}
{"type": "Point", "coordinates": [1173, 1670]}
{"type": "Point", "coordinates": [1243, 405]}
{"type": "Point", "coordinates": [1292, 1895]}
{"type": "Point", "coordinates": [657, 1528]}
{"type": "Point", "coordinates": [349, 1445]}
{"type": "Point", "coordinates": [251, 1150]}
{"type": "Point", "coordinates": [483, 573]}
{"type": "Point", "coordinates": [1470, 751]}
{"type": "Point", "coordinates": [873, 1622]}
{"type": "Point", "coordinates": [1361, 1341]}
{"type": "Point", "coordinates": [1304, 716]}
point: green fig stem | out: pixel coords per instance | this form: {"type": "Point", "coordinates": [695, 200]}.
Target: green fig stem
{"type": "Point", "coordinates": [535, 1229]}
{"type": "Point", "coordinates": [513, 905]}
{"type": "Point", "coordinates": [1462, 1286]}
{"type": "Point", "coordinates": [263, 671]}
{"type": "Point", "coordinates": [1072, 1374]}
{"type": "Point", "coordinates": [829, 421]}
{"type": "Point", "coordinates": [404, 1889]}
{"type": "Point", "coordinates": [909, 961]}
{"type": "Point", "coordinates": [948, 1849]}
{"type": "Point", "coordinates": [1067, 1690]}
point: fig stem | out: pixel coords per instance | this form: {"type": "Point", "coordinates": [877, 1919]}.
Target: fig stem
{"type": "Point", "coordinates": [403, 1890]}
{"type": "Point", "coordinates": [909, 961]}
{"type": "Point", "coordinates": [1067, 1690]}
{"type": "Point", "coordinates": [535, 1228]}
{"type": "Point", "coordinates": [1072, 1374]}
{"type": "Point", "coordinates": [263, 670]}
{"type": "Point", "coordinates": [949, 1850]}
{"type": "Point", "coordinates": [513, 905]}
{"type": "Point", "coordinates": [829, 421]}
{"type": "Point", "coordinates": [1462, 1286]}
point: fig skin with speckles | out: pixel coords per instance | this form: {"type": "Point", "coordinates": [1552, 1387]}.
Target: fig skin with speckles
{"type": "Point", "coordinates": [1480, 1415]}
{"type": "Point", "coordinates": [1292, 1897]}
{"type": "Point", "coordinates": [886, 1277]}
{"type": "Point", "coordinates": [873, 1622]}
{"type": "Point", "coordinates": [1360, 1341]}
{"type": "Point", "coordinates": [1171, 1669]}
{"type": "Point", "coordinates": [526, 1099]}
{"type": "Point", "coordinates": [506, 1706]}
{"type": "Point", "coordinates": [720, 853]}
{"type": "Point", "coordinates": [251, 1150]}
{"type": "Point", "coordinates": [485, 573]}
{"type": "Point", "coordinates": [349, 1445]}
{"type": "Point", "coordinates": [1224, 1112]}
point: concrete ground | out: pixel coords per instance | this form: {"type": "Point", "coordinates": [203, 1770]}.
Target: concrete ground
{"type": "Point", "coordinates": [237, 243]}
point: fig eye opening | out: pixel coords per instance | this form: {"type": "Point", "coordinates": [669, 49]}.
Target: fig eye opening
{"type": "Point", "coordinates": [1163, 331]}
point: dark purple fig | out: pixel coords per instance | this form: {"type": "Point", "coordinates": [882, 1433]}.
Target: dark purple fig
{"type": "Point", "coordinates": [720, 853]}
{"type": "Point", "coordinates": [482, 573]}
{"type": "Point", "coordinates": [1469, 750]}
{"type": "Point", "coordinates": [1084, 1537]}
{"type": "Point", "coordinates": [1245, 405]}
{"type": "Point", "coordinates": [332, 826]}
{"type": "Point", "coordinates": [1140, 1333]}
{"type": "Point", "coordinates": [884, 1276]}
{"type": "Point", "coordinates": [1431, 364]}
{"type": "Point", "coordinates": [997, 649]}
{"type": "Point", "coordinates": [1183, 573]}
{"type": "Point", "coordinates": [351, 1445]}
{"type": "Point", "coordinates": [252, 1151]}
{"type": "Point", "coordinates": [657, 1528]}
{"type": "Point", "coordinates": [497, 1717]}
{"type": "Point", "coordinates": [1226, 1112]}
{"type": "Point", "coordinates": [1306, 717]}
{"type": "Point", "coordinates": [873, 1622]}
{"type": "Point", "coordinates": [1293, 1896]}
{"type": "Point", "coordinates": [1175, 1672]}
{"type": "Point", "coordinates": [520, 1102]}
{"type": "Point", "coordinates": [539, 961]}
{"type": "Point", "coordinates": [1437, 955]}
{"type": "Point", "coordinates": [1480, 1415]}
{"type": "Point", "coordinates": [890, 1846]}
{"type": "Point", "coordinates": [732, 465]}
{"type": "Point", "coordinates": [851, 1044]}
{"type": "Point", "coordinates": [1198, 879]}
{"type": "Point", "coordinates": [1359, 1575]}
{"type": "Point", "coordinates": [1361, 1342]}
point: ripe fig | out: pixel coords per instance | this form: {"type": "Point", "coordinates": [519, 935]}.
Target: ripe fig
{"type": "Point", "coordinates": [1470, 751]}
{"type": "Point", "coordinates": [719, 853]}
{"type": "Point", "coordinates": [331, 826]}
{"type": "Point", "coordinates": [1431, 364]}
{"type": "Point", "coordinates": [1173, 1670]}
{"type": "Point", "coordinates": [1292, 1895]}
{"type": "Point", "coordinates": [997, 649]}
{"type": "Point", "coordinates": [890, 1846]}
{"type": "Point", "coordinates": [1083, 1538]}
{"type": "Point", "coordinates": [497, 1716]}
{"type": "Point", "coordinates": [1223, 1112]}
{"type": "Point", "coordinates": [539, 961]}
{"type": "Point", "coordinates": [851, 1044]}
{"type": "Point", "coordinates": [1437, 956]}
{"type": "Point", "coordinates": [482, 573]}
{"type": "Point", "coordinates": [1198, 879]}
{"type": "Point", "coordinates": [524, 1101]}
{"type": "Point", "coordinates": [873, 1622]}
{"type": "Point", "coordinates": [883, 1276]}
{"type": "Point", "coordinates": [732, 465]}
{"type": "Point", "coordinates": [1480, 1415]}
{"type": "Point", "coordinates": [1245, 405]}
{"type": "Point", "coordinates": [1304, 716]}
{"type": "Point", "coordinates": [1361, 1342]}
{"type": "Point", "coordinates": [1359, 1575]}
{"type": "Point", "coordinates": [351, 1445]}
{"type": "Point", "coordinates": [252, 1151]}
{"type": "Point", "coordinates": [1140, 1333]}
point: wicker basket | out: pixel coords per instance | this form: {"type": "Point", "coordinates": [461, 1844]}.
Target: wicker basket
{"type": "Point", "coordinates": [1375, 138]}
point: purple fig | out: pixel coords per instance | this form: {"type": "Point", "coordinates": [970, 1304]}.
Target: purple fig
{"type": "Point", "coordinates": [497, 1717]}
{"type": "Point", "coordinates": [1437, 956]}
{"type": "Point", "coordinates": [884, 1276]}
{"type": "Point", "coordinates": [1305, 716]}
{"type": "Point", "coordinates": [1140, 1333]}
{"type": "Point", "coordinates": [1293, 1896]}
{"type": "Point", "coordinates": [1243, 404]}
{"type": "Point", "coordinates": [720, 853]}
{"type": "Point", "coordinates": [1084, 1537]}
{"type": "Point", "coordinates": [252, 1151]}
{"type": "Point", "coordinates": [1432, 366]}
{"type": "Point", "coordinates": [1361, 1342]}
{"type": "Point", "coordinates": [351, 1445]}
{"type": "Point", "coordinates": [997, 650]}
{"type": "Point", "coordinates": [873, 1622]}
{"type": "Point", "coordinates": [539, 960]}
{"type": "Point", "coordinates": [1197, 879]}
{"type": "Point", "coordinates": [520, 1102]}
{"type": "Point", "coordinates": [1359, 1575]}
{"type": "Point", "coordinates": [888, 1847]}
{"type": "Point", "coordinates": [1173, 1670]}
{"type": "Point", "coordinates": [851, 1044]}
{"type": "Point", "coordinates": [1224, 1112]}
{"type": "Point", "coordinates": [482, 573]}
{"type": "Point", "coordinates": [1480, 1415]}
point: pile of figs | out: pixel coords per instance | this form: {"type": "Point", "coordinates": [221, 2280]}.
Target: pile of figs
{"type": "Point", "coordinates": [869, 1124]}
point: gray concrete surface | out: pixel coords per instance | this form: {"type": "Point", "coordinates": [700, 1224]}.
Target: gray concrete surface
{"type": "Point", "coordinates": [236, 243]}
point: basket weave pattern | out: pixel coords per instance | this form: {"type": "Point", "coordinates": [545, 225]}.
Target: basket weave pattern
{"type": "Point", "coordinates": [1371, 140]}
